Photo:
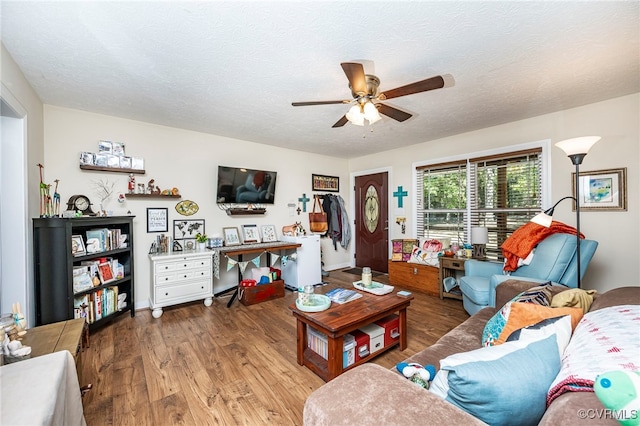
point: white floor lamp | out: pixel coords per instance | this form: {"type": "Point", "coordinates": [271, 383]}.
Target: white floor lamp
{"type": "Point", "coordinates": [576, 149]}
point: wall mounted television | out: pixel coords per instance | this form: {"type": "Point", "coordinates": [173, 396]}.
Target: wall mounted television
{"type": "Point", "coordinates": [238, 185]}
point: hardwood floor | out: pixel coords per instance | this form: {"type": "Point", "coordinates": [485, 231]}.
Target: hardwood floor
{"type": "Point", "coordinates": [217, 365]}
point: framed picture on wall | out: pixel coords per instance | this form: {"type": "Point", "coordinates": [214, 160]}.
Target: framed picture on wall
{"type": "Point", "coordinates": [157, 219]}
{"type": "Point", "coordinates": [325, 183]}
{"type": "Point", "coordinates": [604, 190]}
{"type": "Point", "coordinates": [187, 228]}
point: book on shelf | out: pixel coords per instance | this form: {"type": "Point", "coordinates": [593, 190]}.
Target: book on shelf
{"type": "Point", "coordinates": [106, 273]}
{"type": "Point", "coordinates": [342, 295]}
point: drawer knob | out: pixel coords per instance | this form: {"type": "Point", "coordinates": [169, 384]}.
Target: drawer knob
{"type": "Point", "coordinates": [166, 267]}
{"type": "Point", "coordinates": [185, 266]}
{"type": "Point", "coordinates": [185, 276]}
{"type": "Point", "coordinates": [166, 279]}
{"type": "Point", "coordinates": [201, 273]}
{"type": "Point", "coordinates": [456, 264]}
{"type": "Point", "coordinates": [166, 294]}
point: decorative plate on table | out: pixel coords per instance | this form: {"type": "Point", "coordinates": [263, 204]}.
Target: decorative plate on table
{"type": "Point", "coordinates": [376, 288]}
{"type": "Point", "coordinates": [319, 302]}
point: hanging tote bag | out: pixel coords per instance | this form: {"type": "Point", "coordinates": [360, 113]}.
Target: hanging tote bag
{"type": "Point", "coordinates": [318, 220]}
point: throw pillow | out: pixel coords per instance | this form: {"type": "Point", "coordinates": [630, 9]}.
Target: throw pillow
{"type": "Point", "coordinates": [574, 297]}
{"type": "Point", "coordinates": [501, 383]}
{"type": "Point", "coordinates": [560, 326]}
{"type": "Point", "coordinates": [424, 257]}
{"type": "Point", "coordinates": [493, 328]}
{"type": "Point", "coordinates": [527, 314]}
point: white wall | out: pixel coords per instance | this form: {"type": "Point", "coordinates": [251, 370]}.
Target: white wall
{"type": "Point", "coordinates": [20, 96]}
{"type": "Point", "coordinates": [186, 160]}
{"type": "Point", "coordinates": [615, 263]}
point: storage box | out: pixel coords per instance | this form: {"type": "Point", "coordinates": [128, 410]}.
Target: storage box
{"type": "Point", "coordinates": [318, 342]}
{"type": "Point", "coordinates": [376, 337]}
{"type": "Point", "coordinates": [402, 249]}
{"type": "Point", "coordinates": [391, 325]}
{"type": "Point", "coordinates": [261, 293]}
{"type": "Point", "coordinates": [349, 354]}
{"type": "Point", "coordinates": [362, 344]}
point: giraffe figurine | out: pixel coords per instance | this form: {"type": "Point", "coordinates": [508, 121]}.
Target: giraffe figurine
{"type": "Point", "coordinates": [56, 200]}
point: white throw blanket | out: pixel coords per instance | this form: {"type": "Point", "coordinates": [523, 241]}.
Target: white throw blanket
{"type": "Point", "coordinates": [604, 340]}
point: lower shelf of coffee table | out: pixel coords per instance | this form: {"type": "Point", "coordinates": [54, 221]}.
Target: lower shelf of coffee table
{"type": "Point", "coordinates": [320, 366]}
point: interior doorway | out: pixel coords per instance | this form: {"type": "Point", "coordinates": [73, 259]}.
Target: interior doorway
{"type": "Point", "coordinates": [14, 277]}
{"type": "Point", "coordinates": [372, 221]}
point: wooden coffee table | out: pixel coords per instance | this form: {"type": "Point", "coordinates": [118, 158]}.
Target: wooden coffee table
{"type": "Point", "coordinates": [339, 320]}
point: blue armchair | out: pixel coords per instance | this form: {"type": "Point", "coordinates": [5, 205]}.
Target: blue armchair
{"type": "Point", "coordinates": [554, 260]}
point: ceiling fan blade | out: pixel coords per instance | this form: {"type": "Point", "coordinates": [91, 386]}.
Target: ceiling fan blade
{"type": "Point", "coordinates": [355, 74]}
{"type": "Point", "coordinates": [436, 82]}
{"type": "Point", "coordinates": [392, 112]}
{"type": "Point", "coordinates": [341, 122]}
{"type": "Point", "coordinates": [318, 103]}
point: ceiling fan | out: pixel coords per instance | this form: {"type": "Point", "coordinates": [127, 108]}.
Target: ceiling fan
{"type": "Point", "coordinates": [366, 97]}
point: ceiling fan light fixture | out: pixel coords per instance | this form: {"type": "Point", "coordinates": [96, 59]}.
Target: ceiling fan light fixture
{"type": "Point", "coordinates": [371, 113]}
{"type": "Point", "coordinates": [355, 115]}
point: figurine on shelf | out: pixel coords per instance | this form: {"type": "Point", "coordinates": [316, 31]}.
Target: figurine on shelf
{"type": "Point", "coordinates": [132, 183]}
{"type": "Point", "coordinates": [56, 200]}
{"type": "Point", "coordinates": [141, 189]}
{"type": "Point", "coordinates": [152, 188]}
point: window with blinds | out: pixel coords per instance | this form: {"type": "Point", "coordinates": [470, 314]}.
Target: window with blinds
{"type": "Point", "coordinates": [500, 192]}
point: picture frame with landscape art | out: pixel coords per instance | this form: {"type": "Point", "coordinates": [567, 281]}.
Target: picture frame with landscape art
{"type": "Point", "coordinates": [601, 190]}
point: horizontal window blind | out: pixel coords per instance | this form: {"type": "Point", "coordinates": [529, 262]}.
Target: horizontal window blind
{"type": "Point", "coordinates": [500, 192]}
{"type": "Point", "coordinates": [442, 201]}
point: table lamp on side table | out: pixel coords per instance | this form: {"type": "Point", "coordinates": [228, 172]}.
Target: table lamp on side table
{"type": "Point", "coordinates": [479, 240]}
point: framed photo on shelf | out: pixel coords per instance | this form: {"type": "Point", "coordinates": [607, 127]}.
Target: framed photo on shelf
{"type": "Point", "coordinates": [250, 234]}
{"type": "Point", "coordinates": [157, 219]}
{"type": "Point", "coordinates": [231, 236]}
{"type": "Point", "coordinates": [325, 183]}
{"type": "Point", "coordinates": [189, 244]}
{"type": "Point", "coordinates": [187, 228]}
{"type": "Point", "coordinates": [105, 273]}
{"type": "Point", "coordinates": [269, 234]}
{"type": "Point", "coordinates": [601, 190]}
{"type": "Point", "coordinates": [77, 246]}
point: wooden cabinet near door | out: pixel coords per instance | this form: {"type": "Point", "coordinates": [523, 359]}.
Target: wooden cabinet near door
{"type": "Point", "coordinates": [413, 276]}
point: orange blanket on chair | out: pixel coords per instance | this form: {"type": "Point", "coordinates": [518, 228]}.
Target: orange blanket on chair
{"type": "Point", "coordinates": [525, 238]}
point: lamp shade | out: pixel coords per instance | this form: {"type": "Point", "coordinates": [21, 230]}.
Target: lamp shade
{"type": "Point", "coordinates": [542, 219]}
{"type": "Point", "coordinates": [371, 112]}
{"type": "Point", "coordinates": [479, 235]}
{"type": "Point", "coordinates": [355, 116]}
{"type": "Point", "coordinates": [577, 146]}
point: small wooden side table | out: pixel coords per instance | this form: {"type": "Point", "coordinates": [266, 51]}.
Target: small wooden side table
{"type": "Point", "coordinates": [449, 267]}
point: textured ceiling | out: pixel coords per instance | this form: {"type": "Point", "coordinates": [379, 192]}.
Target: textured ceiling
{"type": "Point", "coordinates": [233, 68]}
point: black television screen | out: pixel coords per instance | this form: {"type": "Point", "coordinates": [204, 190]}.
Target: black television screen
{"type": "Point", "coordinates": [237, 185]}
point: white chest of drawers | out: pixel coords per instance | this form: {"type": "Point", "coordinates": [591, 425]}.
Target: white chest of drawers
{"type": "Point", "coordinates": [179, 278]}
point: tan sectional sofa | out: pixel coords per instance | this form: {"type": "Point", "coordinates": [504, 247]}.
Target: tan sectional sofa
{"type": "Point", "coordinates": [371, 394]}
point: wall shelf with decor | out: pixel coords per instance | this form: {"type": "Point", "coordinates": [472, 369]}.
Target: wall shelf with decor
{"type": "Point", "coordinates": [112, 169]}
{"type": "Point", "coordinates": [151, 196]}
{"type": "Point", "coordinates": [240, 211]}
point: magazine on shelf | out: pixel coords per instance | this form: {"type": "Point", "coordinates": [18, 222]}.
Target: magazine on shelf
{"type": "Point", "coordinates": [342, 295]}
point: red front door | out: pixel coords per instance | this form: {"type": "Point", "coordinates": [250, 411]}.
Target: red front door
{"type": "Point", "coordinates": [372, 221]}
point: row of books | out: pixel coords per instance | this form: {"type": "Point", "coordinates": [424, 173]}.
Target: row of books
{"type": "Point", "coordinates": [99, 304]}
{"type": "Point", "coordinates": [92, 273]}
{"type": "Point", "coordinates": [105, 239]}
